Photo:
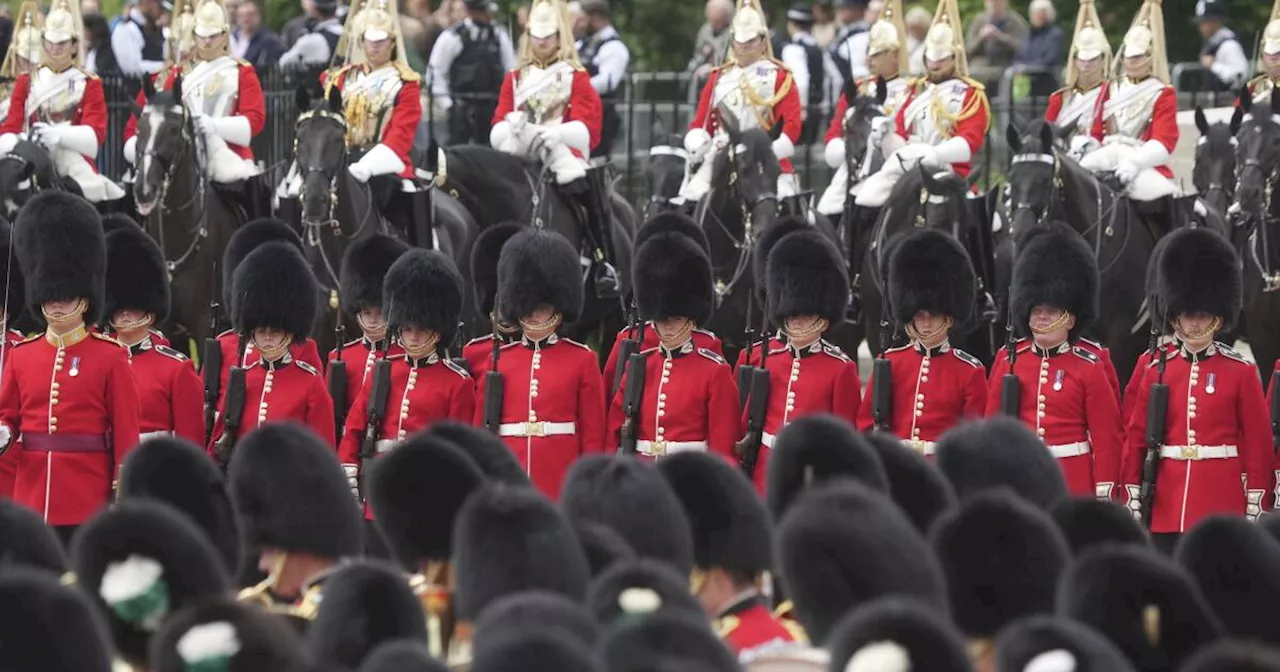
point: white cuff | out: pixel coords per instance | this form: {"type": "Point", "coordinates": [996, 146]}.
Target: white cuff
{"type": "Point", "coordinates": [576, 136]}
{"type": "Point", "coordinates": [381, 160]}
{"type": "Point", "coordinates": [955, 150]}
{"type": "Point", "coordinates": [1134, 501]}
{"type": "Point", "coordinates": [499, 134]}
{"type": "Point", "coordinates": [79, 139]}
{"type": "Point", "coordinates": [131, 150]}
{"type": "Point", "coordinates": [834, 153]}
{"type": "Point", "coordinates": [7, 142]}
{"type": "Point", "coordinates": [6, 436]}
{"type": "Point", "coordinates": [234, 130]}
{"type": "Point", "coordinates": [1103, 491]}
{"type": "Point", "coordinates": [1253, 503]}
{"type": "Point", "coordinates": [783, 148]}
{"type": "Point", "coordinates": [1152, 153]}
{"type": "Point", "coordinates": [695, 139]}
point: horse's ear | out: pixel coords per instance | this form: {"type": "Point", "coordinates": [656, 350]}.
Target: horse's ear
{"type": "Point", "coordinates": [1246, 98]}
{"type": "Point", "coordinates": [148, 87]}
{"type": "Point", "coordinates": [28, 170]}
{"type": "Point", "coordinates": [1237, 118]}
{"type": "Point", "coordinates": [658, 128]}
{"type": "Point", "coordinates": [335, 100]}
{"type": "Point", "coordinates": [882, 91]}
{"type": "Point", "coordinates": [1015, 120]}
{"type": "Point", "coordinates": [1011, 136]}
{"type": "Point", "coordinates": [1046, 137]}
{"type": "Point", "coordinates": [1201, 122]}
{"type": "Point", "coordinates": [303, 98]}
{"type": "Point", "coordinates": [1064, 133]}
{"type": "Point", "coordinates": [926, 178]}
{"type": "Point", "coordinates": [177, 87]}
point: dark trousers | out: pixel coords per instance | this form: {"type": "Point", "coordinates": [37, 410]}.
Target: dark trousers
{"type": "Point", "coordinates": [375, 546]}
{"type": "Point", "coordinates": [470, 121]}
{"type": "Point", "coordinates": [1166, 542]}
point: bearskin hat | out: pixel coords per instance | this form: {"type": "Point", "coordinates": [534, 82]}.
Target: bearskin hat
{"type": "Point", "coordinates": [1200, 272]}
{"type": "Point", "coordinates": [665, 641]}
{"type": "Point", "coordinates": [172, 470]}
{"type": "Point", "coordinates": [62, 252]}
{"type": "Point", "coordinates": [1087, 522]}
{"type": "Point", "coordinates": [1001, 557]}
{"type": "Point", "coordinates": [365, 604]}
{"type": "Point", "coordinates": [137, 275]}
{"type": "Point", "coordinates": [929, 270]}
{"type": "Point", "coordinates": [49, 627]}
{"type": "Point", "coordinates": [637, 587]}
{"type": "Point", "coordinates": [1000, 452]}
{"type": "Point", "coordinates": [485, 252]}
{"type": "Point", "coordinates": [896, 634]}
{"type": "Point", "coordinates": [25, 541]}
{"type": "Point", "coordinates": [818, 448]}
{"type": "Point", "coordinates": [765, 243]}
{"type": "Point", "coordinates": [536, 650]}
{"type": "Point", "coordinates": [602, 545]}
{"type": "Point", "coordinates": [731, 528]}
{"type": "Point", "coordinates": [1056, 268]}
{"type": "Point", "coordinates": [14, 292]}
{"type": "Point", "coordinates": [536, 609]}
{"type": "Point", "coordinates": [1147, 605]}
{"type": "Point", "coordinates": [631, 497]}
{"type": "Point", "coordinates": [488, 451]}
{"type": "Point", "coordinates": [1237, 566]}
{"type": "Point", "coordinates": [401, 656]}
{"type": "Point", "coordinates": [114, 221]}
{"type": "Point", "coordinates": [415, 492]}
{"type": "Point", "coordinates": [1230, 655]}
{"type": "Point", "coordinates": [806, 276]}
{"type": "Point", "coordinates": [363, 268]}
{"type": "Point", "coordinates": [511, 539]}
{"type": "Point", "coordinates": [246, 637]}
{"type": "Point", "coordinates": [672, 221]}
{"type": "Point", "coordinates": [915, 485]}
{"type": "Point", "coordinates": [424, 289]}
{"type": "Point", "coordinates": [538, 268]}
{"type": "Point", "coordinates": [1033, 643]}
{"type": "Point", "coordinates": [671, 275]}
{"type": "Point", "coordinates": [140, 561]}
{"type": "Point", "coordinates": [842, 545]}
{"type": "Point", "coordinates": [292, 495]}
{"type": "Point", "coordinates": [275, 287]}
{"type": "Point", "coordinates": [246, 239]}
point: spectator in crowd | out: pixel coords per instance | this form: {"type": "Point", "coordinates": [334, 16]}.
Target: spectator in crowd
{"type": "Point", "coordinates": [466, 70]}
{"type": "Point", "coordinates": [123, 16]}
{"type": "Point", "coordinates": [251, 41]}
{"type": "Point", "coordinates": [850, 54]}
{"type": "Point", "coordinates": [577, 19]}
{"type": "Point", "coordinates": [853, 18]}
{"type": "Point", "coordinates": [992, 41]}
{"type": "Point", "coordinates": [6, 32]}
{"type": "Point", "coordinates": [824, 25]}
{"type": "Point", "coordinates": [811, 69]}
{"type": "Point", "coordinates": [139, 41]}
{"type": "Point", "coordinates": [297, 26]}
{"type": "Point", "coordinates": [88, 7]}
{"type": "Point", "coordinates": [522, 22]}
{"type": "Point", "coordinates": [99, 58]}
{"type": "Point", "coordinates": [1042, 51]}
{"type": "Point", "coordinates": [606, 59]}
{"type": "Point", "coordinates": [316, 46]}
{"type": "Point", "coordinates": [1221, 53]}
{"type": "Point", "coordinates": [713, 38]}
{"type": "Point", "coordinates": [415, 38]}
{"type": "Point", "coordinates": [917, 20]}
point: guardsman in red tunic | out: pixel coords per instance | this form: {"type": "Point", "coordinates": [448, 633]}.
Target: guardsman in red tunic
{"type": "Point", "coordinates": [731, 552]}
{"type": "Point", "coordinates": [63, 106]}
{"type": "Point", "coordinates": [67, 393]}
{"type": "Point", "coordinates": [689, 401]}
{"type": "Point", "coordinates": [1217, 456]}
{"type": "Point", "coordinates": [276, 303]}
{"type": "Point", "coordinates": [478, 352]}
{"type": "Point", "coordinates": [808, 293]}
{"type": "Point", "coordinates": [1064, 394]}
{"type": "Point", "coordinates": [360, 278]}
{"type": "Point", "coordinates": [13, 306]}
{"type": "Point", "coordinates": [944, 119]}
{"type": "Point", "coordinates": [934, 385]}
{"type": "Point", "coordinates": [424, 299]}
{"type": "Point", "coordinates": [553, 405]}
{"type": "Point", "coordinates": [1079, 104]}
{"type": "Point", "coordinates": [1268, 67]}
{"type": "Point", "coordinates": [170, 395]}
{"type": "Point", "coordinates": [758, 90]}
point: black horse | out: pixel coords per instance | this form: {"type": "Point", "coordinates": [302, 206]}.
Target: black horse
{"type": "Point", "coordinates": [181, 209]}
{"type": "Point", "coordinates": [665, 174]}
{"type": "Point", "coordinates": [26, 171]}
{"type": "Point", "coordinates": [1214, 173]}
{"type": "Point", "coordinates": [1255, 214]}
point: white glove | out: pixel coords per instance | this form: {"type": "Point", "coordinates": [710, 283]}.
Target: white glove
{"type": "Point", "coordinates": [203, 125]}
{"type": "Point", "coordinates": [131, 150]}
{"type": "Point", "coordinates": [379, 160]}
{"type": "Point", "coordinates": [917, 152]}
{"type": "Point", "coordinates": [1126, 170]}
{"type": "Point", "coordinates": [880, 127]}
{"type": "Point", "coordinates": [1152, 153]}
{"type": "Point", "coordinates": [696, 142]}
{"type": "Point", "coordinates": [1081, 145]}
{"type": "Point", "coordinates": [233, 129]}
{"type": "Point", "coordinates": [6, 438]}
{"type": "Point", "coordinates": [517, 121]}
{"type": "Point", "coordinates": [352, 472]}
{"type": "Point", "coordinates": [45, 134]}
{"type": "Point", "coordinates": [834, 153]}
{"type": "Point", "coordinates": [954, 150]}
{"type": "Point", "coordinates": [361, 173]}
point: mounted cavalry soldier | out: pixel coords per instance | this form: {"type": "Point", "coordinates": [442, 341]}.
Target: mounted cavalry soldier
{"type": "Point", "coordinates": [758, 90]}
{"type": "Point", "coordinates": [1080, 103]}
{"type": "Point", "coordinates": [935, 386]}
{"type": "Point", "coordinates": [887, 58]}
{"type": "Point", "coordinates": [62, 107]}
{"type": "Point", "coordinates": [26, 51]}
{"type": "Point", "coordinates": [945, 117]}
{"type": "Point", "coordinates": [1268, 66]}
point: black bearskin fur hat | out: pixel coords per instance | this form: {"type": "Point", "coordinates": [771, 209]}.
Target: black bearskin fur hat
{"type": "Point", "coordinates": [494, 458]}
{"type": "Point", "coordinates": [539, 268]}
{"type": "Point", "coordinates": [246, 239]}
{"type": "Point", "coordinates": [1000, 452]}
{"type": "Point", "coordinates": [765, 243]}
{"type": "Point", "coordinates": [672, 221]}
{"type": "Point", "coordinates": [62, 252]}
{"type": "Point", "coordinates": [15, 292]}
{"type": "Point", "coordinates": [402, 656]}
{"type": "Point", "coordinates": [536, 609]}
{"type": "Point", "coordinates": [610, 597]}
{"type": "Point", "coordinates": [134, 549]}
{"type": "Point", "coordinates": [292, 495]}
{"type": "Point", "coordinates": [137, 275]}
{"type": "Point", "coordinates": [671, 275]}
{"type": "Point", "coordinates": [261, 640]}
{"type": "Point", "coordinates": [875, 637]}
{"type": "Point", "coordinates": [416, 491]}
{"type": "Point", "coordinates": [366, 603]}
{"type": "Point", "coordinates": [915, 484]}
{"type": "Point", "coordinates": [1087, 522]}
{"type": "Point", "coordinates": [1200, 272]}
{"type": "Point", "coordinates": [602, 545]}
{"type": "Point", "coordinates": [274, 287]}
{"type": "Point", "coordinates": [49, 627]}
{"type": "Point", "coordinates": [1041, 639]}
{"type": "Point", "coordinates": [26, 541]}
{"type": "Point", "coordinates": [806, 276]}
{"type": "Point", "coordinates": [172, 470]}
{"type": "Point", "coordinates": [424, 289]}
{"type": "Point", "coordinates": [665, 641]}
{"type": "Point", "coordinates": [363, 268]}
{"type": "Point", "coordinates": [1055, 267]}
{"type": "Point", "coordinates": [485, 252]}
{"type": "Point", "coordinates": [731, 528]}
{"type": "Point", "coordinates": [115, 221]}
{"type": "Point", "coordinates": [1237, 566]}
{"type": "Point", "coordinates": [929, 270]}
{"type": "Point", "coordinates": [1233, 655]}
{"type": "Point", "coordinates": [532, 650]}
{"type": "Point", "coordinates": [814, 449]}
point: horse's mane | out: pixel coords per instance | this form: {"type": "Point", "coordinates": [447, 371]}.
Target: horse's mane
{"type": "Point", "coordinates": [758, 152]}
{"type": "Point", "coordinates": [163, 99]}
{"type": "Point", "coordinates": [484, 163]}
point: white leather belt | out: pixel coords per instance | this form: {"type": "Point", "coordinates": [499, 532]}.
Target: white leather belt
{"type": "Point", "coordinates": [154, 435]}
{"type": "Point", "coordinates": [922, 447]}
{"type": "Point", "coordinates": [1198, 452]}
{"type": "Point", "coordinates": [1070, 449]}
{"type": "Point", "coordinates": [537, 428]}
{"type": "Point", "coordinates": [767, 439]}
{"type": "Point", "coordinates": [660, 448]}
{"type": "Point", "coordinates": [384, 445]}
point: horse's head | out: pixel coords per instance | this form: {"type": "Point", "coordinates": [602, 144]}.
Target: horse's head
{"type": "Point", "coordinates": [1214, 174]}
{"type": "Point", "coordinates": [320, 149]}
{"type": "Point", "coordinates": [667, 159]}
{"type": "Point", "coordinates": [1036, 166]}
{"type": "Point", "coordinates": [863, 110]}
{"type": "Point", "coordinates": [749, 165]}
{"type": "Point", "coordinates": [1257, 154]}
{"type": "Point", "coordinates": [26, 169]}
{"type": "Point", "coordinates": [944, 197]}
{"type": "Point", "coordinates": [164, 137]}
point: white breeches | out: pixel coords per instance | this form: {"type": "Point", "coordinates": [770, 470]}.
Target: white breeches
{"type": "Point", "coordinates": [225, 165]}
{"type": "Point", "coordinates": [832, 202]}
{"type": "Point", "coordinates": [96, 187]}
{"type": "Point", "coordinates": [1149, 184]}
{"type": "Point", "coordinates": [876, 188]}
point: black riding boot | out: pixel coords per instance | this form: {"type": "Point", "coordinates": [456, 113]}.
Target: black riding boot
{"type": "Point", "coordinates": [1159, 214]}
{"type": "Point", "coordinates": [595, 203]}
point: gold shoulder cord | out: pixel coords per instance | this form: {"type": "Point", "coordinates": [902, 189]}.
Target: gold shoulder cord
{"type": "Point", "coordinates": [975, 105]}
{"type": "Point", "coordinates": [766, 119]}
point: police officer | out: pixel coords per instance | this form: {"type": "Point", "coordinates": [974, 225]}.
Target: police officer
{"type": "Point", "coordinates": [809, 66]}
{"type": "Point", "coordinates": [1222, 53]}
{"type": "Point", "coordinates": [466, 68]}
{"type": "Point", "coordinates": [934, 385]}
{"type": "Point", "coordinates": [319, 45]}
{"type": "Point", "coordinates": [170, 395]}
{"type": "Point", "coordinates": [606, 58]}
{"type": "Point", "coordinates": [68, 392]}
{"type": "Point", "coordinates": [139, 41]}
{"type": "Point", "coordinates": [1064, 394]}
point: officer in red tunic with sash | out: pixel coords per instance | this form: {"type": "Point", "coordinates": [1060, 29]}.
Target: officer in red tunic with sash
{"type": "Point", "coordinates": [1079, 104]}
{"type": "Point", "coordinates": [1064, 394]}
{"type": "Point", "coordinates": [170, 394]}
{"type": "Point", "coordinates": [935, 386]}
{"type": "Point", "coordinates": [1217, 437]}
{"type": "Point", "coordinates": [553, 405]}
{"type": "Point", "coordinates": [689, 401]}
{"type": "Point", "coordinates": [68, 393]}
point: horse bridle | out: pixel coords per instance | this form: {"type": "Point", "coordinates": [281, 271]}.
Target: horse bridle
{"type": "Point", "coordinates": [188, 140]}
{"type": "Point", "coordinates": [747, 242]}
{"type": "Point", "coordinates": [1270, 277]}
{"type": "Point", "coordinates": [1227, 191]}
{"type": "Point", "coordinates": [661, 150]}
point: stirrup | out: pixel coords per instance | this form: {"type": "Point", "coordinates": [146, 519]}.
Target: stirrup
{"type": "Point", "coordinates": [987, 308]}
{"type": "Point", "coordinates": [605, 279]}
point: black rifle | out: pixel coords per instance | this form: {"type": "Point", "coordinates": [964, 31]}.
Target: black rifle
{"type": "Point", "coordinates": [232, 410]}
{"type": "Point", "coordinates": [748, 449]}
{"type": "Point", "coordinates": [1275, 410]}
{"type": "Point", "coordinates": [338, 383]}
{"type": "Point", "coordinates": [494, 387]}
{"type": "Point", "coordinates": [627, 347]}
{"type": "Point", "coordinates": [882, 383]}
{"type": "Point", "coordinates": [746, 372]}
{"type": "Point", "coordinates": [376, 411]}
{"type": "Point", "coordinates": [1157, 408]}
{"type": "Point", "coordinates": [632, 400]}
{"type": "Point", "coordinates": [1010, 386]}
{"type": "Point", "coordinates": [211, 371]}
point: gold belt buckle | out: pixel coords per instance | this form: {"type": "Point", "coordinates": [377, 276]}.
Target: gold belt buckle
{"type": "Point", "coordinates": [1190, 452]}
{"type": "Point", "coordinates": [658, 448]}
{"type": "Point", "coordinates": [534, 429]}
{"type": "Point", "coordinates": [917, 445]}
